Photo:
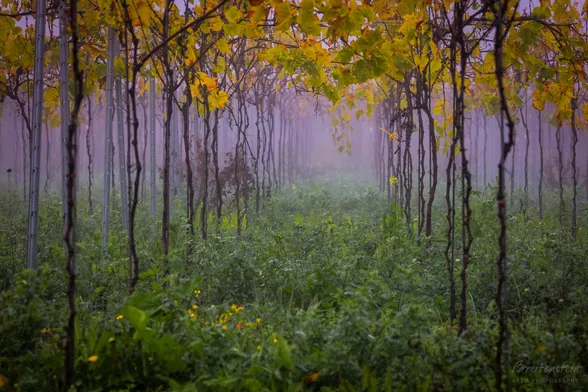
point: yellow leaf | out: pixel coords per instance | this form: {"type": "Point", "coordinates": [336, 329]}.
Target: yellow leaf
{"type": "Point", "coordinates": [216, 24]}
{"type": "Point", "coordinates": [223, 46]}
{"type": "Point", "coordinates": [51, 96]}
{"type": "Point", "coordinates": [190, 56]}
{"type": "Point", "coordinates": [195, 90]}
{"type": "Point", "coordinates": [218, 99]}
{"type": "Point", "coordinates": [369, 97]}
{"type": "Point", "coordinates": [438, 109]}
{"type": "Point", "coordinates": [233, 14]}
{"type": "Point", "coordinates": [538, 101]}
{"type": "Point", "coordinates": [207, 81]}
{"type": "Point", "coordinates": [345, 116]}
{"type": "Point", "coordinates": [144, 14]}
{"type": "Point", "coordinates": [219, 67]}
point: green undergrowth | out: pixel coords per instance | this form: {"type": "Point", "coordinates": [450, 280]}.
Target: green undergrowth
{"type": "Point", "coordinates": [326, 290]}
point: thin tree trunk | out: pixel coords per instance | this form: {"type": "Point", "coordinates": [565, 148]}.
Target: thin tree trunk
{"type": "Point", "coordinates": [407, 167]}
{"type": "Point", "coordinates": [527, 143]}
{"type": "Point", "coordinates": [89, 152]}
{"type": "Point", "coordinates": [34, 177]}
{"type": "Point", "coordinates": [24, 157]}
{"type": "Point", "coordinates": [506, 146]}
{"type": "Point", "coordinates": [47, 156]}
{"type": "Point", "coordinates": [466, 184]}
{"type": "Point", "coordinates": [122, 170]}
{"type": "Point", "coordinates": [272, 126]}
{"type": "Point", "coordinates": [281, 148]}
{"type": "Point", "coordinates": [540, 190]}
{"type": "Point", "coordinates": [69, 235]}
{"type": "Point", "coordinates": [450, 172]}
{"type": "Point", "coordinates": [174, 156]}
{"type": "Point", "coordinates": [152, 156]}
{"type": "Point", "coordinates": [560, 173]}
{"type": "Point", "coordinates": [422, 153]}
{"type": "Point", "coordinates": [574, 174]}
{"type": "Point", "coordinates": [134, 141]}
{"type": "Point", "coordinates": [476, 151]}
{"type": "Point", "coordinates": [264, 153]}
{"type": "Point", "coordinates": [258, 150]}
{"type": "Point", "coordinates": [108, 150]}
{"type": "Point", "coordinates": [399, 166]}
{"type": "Point", "coordinates": [237, 173]}
{"type": "Point", "coordinates": [204, 210]}
{"type": "Point", "coordinates": [187, 146]}
{"type": "Point", "coordinates": [435, 168]}
{"type": "Point", "coordinates": [219, 195]}
{"type": "Point", "coordinates": [169, 80]}
{"type": "Point", "coordinates": [512, 174]}
{"type": "Point", "coordinates": [63, 101]}
{"type": "Point", "coordinates": [144, 153]}
{"type": "Point", "coordinates": [485, 151]}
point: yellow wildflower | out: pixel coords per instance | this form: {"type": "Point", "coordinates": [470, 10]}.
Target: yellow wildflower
{"type": "Point", "coordinates": [110, 340]}
{"type": "Point", "coordinates": [93, 358]}
{"type": "Point", "coordinates": [225, 326]}
{"type": "Point", "coordinates": [275, 337]}
{"type": "Point", "coordinates": [258, 321]}
{"type": "Point", "coordinates": [293, 187]}
{"type": "Point", "coordinates": [119, 317]}
{"type": "Point", "coordinates": [46, 330]}
{"type": "Point", "coordinates": [258, 348]}
{"type": "Point", "coordinates": [194, 306]}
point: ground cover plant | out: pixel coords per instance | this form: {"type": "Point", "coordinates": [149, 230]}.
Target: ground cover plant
{"type": "Point", "coordinates": [326, 291]}
{"type": "Point", "coordinates": [276, 195]}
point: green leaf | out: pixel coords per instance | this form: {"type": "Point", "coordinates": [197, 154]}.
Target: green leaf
{"type": "Point", "coordinates": [306, 18]}
{"type": "Point", "coordinates": [223, 46]}
{"type": "Point", "coordinates": [284, 354]}
{"type": "Point", "coordinates": [136, 317]}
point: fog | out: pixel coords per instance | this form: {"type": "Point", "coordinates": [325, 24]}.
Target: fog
{"type": "Point", "coordinates": [359, 146]}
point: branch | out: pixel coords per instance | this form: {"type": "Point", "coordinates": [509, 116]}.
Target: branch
{"type": "Point", "coordinates": [190, 25]}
